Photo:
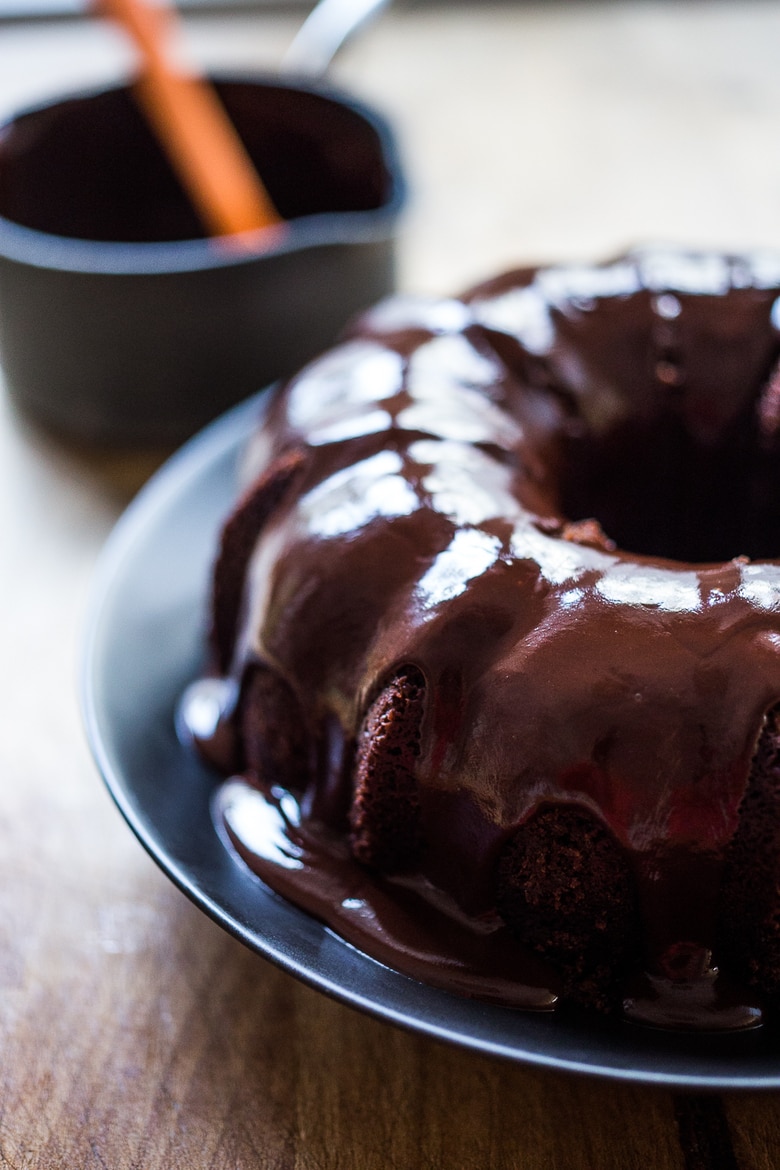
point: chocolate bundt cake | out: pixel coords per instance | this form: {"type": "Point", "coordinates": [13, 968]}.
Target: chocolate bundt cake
{"type": "Point", "coordinates": [496, 639]}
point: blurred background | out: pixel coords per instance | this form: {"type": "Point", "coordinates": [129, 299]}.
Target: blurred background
{"type": "Point", "coordinates": [530, 130]}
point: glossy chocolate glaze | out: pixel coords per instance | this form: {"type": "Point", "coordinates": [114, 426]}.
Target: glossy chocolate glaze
{"type": "Point", "coordinates": [452, 457]}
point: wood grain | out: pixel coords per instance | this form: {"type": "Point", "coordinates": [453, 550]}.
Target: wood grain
{"type": "Point", "coordinates": [134, 1034]}
{"type": "Point", "coordinates": [195, 1053]}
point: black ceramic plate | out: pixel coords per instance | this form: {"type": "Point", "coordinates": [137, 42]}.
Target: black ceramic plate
{"type": "Point", "coordinates": [144, 645]}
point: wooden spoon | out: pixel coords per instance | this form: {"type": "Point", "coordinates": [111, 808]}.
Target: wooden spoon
{"type": "Point", "coordinates": [195, 132]}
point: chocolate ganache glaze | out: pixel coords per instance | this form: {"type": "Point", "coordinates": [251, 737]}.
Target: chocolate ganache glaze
{"type": "Point", "coordinates": [465, 727]}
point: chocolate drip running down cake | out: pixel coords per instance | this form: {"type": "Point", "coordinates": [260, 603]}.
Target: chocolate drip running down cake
{"type": "Point", "coordinates": [496, 640]}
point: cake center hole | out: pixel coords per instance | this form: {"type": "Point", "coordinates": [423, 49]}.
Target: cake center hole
{"type": "Point", "coordinates": [660, 489]}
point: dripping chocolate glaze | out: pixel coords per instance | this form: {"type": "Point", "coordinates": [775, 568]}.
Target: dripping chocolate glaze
{"type": "Point", "coordinates": [440, 489]}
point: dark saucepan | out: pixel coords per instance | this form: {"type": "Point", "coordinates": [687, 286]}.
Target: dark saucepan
{"type": "Point", "coordinates": [119, 322]}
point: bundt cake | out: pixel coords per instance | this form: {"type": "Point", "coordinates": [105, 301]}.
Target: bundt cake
{"type": "Point", "coordinates": [496, 639]}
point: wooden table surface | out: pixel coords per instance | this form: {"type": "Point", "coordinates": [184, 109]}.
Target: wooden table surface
{"type": "Point", "coordinates": [133, 1031]}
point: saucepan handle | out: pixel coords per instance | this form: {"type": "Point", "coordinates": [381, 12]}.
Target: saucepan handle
{"type": "Point", "coordinates": [326, 29]}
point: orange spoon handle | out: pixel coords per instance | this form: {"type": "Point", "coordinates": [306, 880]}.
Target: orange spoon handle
{"type": "Point", "coordinates": [196, 133]}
